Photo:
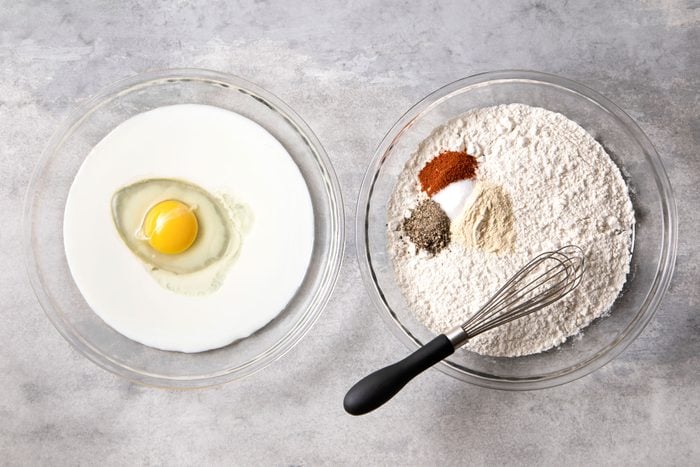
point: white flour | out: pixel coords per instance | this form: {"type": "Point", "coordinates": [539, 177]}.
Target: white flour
{"type": "Point", "coordinates": [564, 189]}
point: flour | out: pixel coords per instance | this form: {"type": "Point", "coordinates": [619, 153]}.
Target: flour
{"type": "Point", "coordinates": [563, 188]}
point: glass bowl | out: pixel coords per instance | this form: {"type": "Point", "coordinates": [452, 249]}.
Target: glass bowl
{"type": "Point", "coordinates": [43, 217]}
{"type": "Point", "coordinates": [654, 241]}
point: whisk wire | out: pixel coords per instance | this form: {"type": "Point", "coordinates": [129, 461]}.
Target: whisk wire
{"type": "Point", "coordinates": [544, 280]}
{"type": "Point", "coordinates": [517, 302]}
{"type": "Point", "coordinates": [505, 294]}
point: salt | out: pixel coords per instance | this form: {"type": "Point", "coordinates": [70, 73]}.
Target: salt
{"type": "Point", "coordinates": [453, 198]}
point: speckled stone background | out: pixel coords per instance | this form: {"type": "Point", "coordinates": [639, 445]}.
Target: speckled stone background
{"type": "Point", "coordinates": [350, 69]}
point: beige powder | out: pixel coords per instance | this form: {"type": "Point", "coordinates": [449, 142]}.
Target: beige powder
{"type": "Point", "coordinates": [487, 222]}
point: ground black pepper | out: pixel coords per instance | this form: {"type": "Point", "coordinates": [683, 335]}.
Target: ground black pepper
{"type": "Point", "coordinates": [428, 227]}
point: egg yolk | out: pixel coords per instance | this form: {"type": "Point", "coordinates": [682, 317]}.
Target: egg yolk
{"type": "Point", "coordinates": [170, 227]}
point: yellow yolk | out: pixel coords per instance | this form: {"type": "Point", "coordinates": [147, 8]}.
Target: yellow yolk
{"type": "Point", "coordinates": [170, 227]}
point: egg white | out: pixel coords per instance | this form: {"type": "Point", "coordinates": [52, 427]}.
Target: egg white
{"type": "Point", "coordinates": [203, 266]}
{"type": "Point", "coordinates": [223, 152]}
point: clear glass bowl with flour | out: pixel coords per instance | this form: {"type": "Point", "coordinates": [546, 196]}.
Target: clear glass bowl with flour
{"type": "Point", "coordinates": [653, 240]}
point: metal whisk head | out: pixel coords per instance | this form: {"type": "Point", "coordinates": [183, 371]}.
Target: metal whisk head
{"type": "Point", "coordinates": [541, 282]}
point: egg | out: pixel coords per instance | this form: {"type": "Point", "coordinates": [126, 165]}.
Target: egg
{"type": "Point", "coordinates": [188, 227]}
{"type": "Point", "coordinates": [185, 236]}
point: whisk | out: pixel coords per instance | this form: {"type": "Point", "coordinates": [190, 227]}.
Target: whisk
{"type": "Point", "coordinates": [545, 279]}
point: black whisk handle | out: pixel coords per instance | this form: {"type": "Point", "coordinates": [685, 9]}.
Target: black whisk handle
{"type": "Point", "coordinates": [377, 388]}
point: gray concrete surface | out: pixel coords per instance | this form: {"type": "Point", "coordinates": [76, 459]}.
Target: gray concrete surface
{"type": "Point", "coordinates": [350, 69]}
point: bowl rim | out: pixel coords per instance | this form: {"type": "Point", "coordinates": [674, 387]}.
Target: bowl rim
{"type": "Point", "coordinates": [666, 259]}
{"type": "Point", "coordinates": [328, 275]}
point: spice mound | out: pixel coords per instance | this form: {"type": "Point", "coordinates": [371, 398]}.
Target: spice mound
{"type": "Point", "coordinates": [428, 227]}
{"type": "Point", "coordinates": [487, 224]}
{"type": "Point", "coordinates": [448, 167]}
{"type": "Point", "coordinates": [478, 214]}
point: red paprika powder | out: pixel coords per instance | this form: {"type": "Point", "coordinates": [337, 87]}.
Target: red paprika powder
{"type": "Point", "coordinates": [447, 167]}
